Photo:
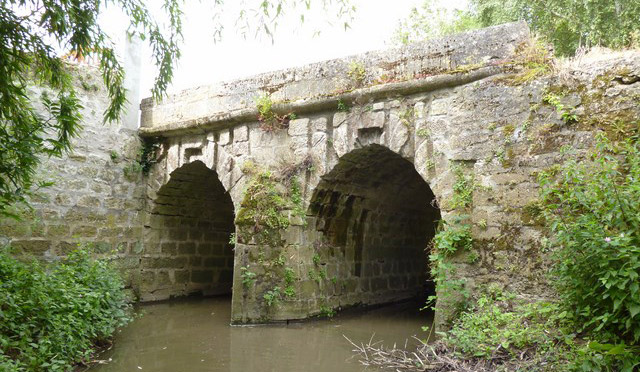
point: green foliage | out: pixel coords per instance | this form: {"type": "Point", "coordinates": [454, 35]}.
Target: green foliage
{"type": "Point", "coordinates": [407, 117]}
{"type": "Point", "coordinates": [28, 57]}
{"type": "Point", "coordinates": [145, 158]}
{"type": "Point", "coordinates": [289, 276]}
{"type": "Point", "coordinates": [113, 154]}
{"type": "Point", "coordinates": [260, 215]}
{"type": "Point", "coordinates": [289, 291]}
{"type": "Point", "coordinates": [326, 312]}
{"type": "Point", "coordinates": [452, 237]}
{"type": "Point", "coordinates": [343, 106]}
{"type": "Point", "coordinates": [567, 24]}
{"type": "Point", "coordinates": [596, 357]}
{"type": "Point", "coordinates": [316, 259]}
{"type": "Point", "coordinates": [423, 133]}
{"type": "Point", "coordinates": [272, 296]}
{"type": "Point", "coordinates": [592, 210]}
{"type": "Point", "coordinates": [248, 277]}
{"type": "Point", "coordinates": [269, 120]}
{"type": "Point", "coordinates": [295, 193]}
{"type": "Point", "coordinates": [500, 324]}
{"type": "Point", "coordinates": [566, 113]}
{"type": "Point", "coordinates": [357, 72]}
{"type": "Point", "coordinates": [462, 189]}
{"type": "Point", "coordinates": [52, 316]}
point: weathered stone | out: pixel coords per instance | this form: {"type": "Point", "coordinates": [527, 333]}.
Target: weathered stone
{"type": "Point", "coordinates": [365, 207]}
{"type": "Point", "coordinates": [298, 127]}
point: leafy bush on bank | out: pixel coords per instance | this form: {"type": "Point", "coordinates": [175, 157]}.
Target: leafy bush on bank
{"type": "Point", "coordinates": [593, 213]}
{"type": "Point", "coordinates": [53, 316]}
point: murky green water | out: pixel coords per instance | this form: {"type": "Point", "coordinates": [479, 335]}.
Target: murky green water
{"type": "Point", "coordinates": [194, 335]}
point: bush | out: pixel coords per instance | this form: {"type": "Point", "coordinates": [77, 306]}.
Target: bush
{"type": "Point", "coordinates": [593, 212]}
{"type": "Point", "coordinates": [53, 316]}
{"type": "Point", "coordinates": [498, 324]}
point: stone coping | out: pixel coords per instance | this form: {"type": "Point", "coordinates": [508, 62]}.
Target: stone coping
{"type": "Point", "coordinates": [434, 64]}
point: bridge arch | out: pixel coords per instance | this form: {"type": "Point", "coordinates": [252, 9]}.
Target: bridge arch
{"type": "Point", "coordinates": [186, 237]}
{"type": "Point", "coordinates": [373, 216]}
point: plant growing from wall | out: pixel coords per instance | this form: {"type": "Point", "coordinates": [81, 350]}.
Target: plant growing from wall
{"type": "Point", "coordinates": [566, 113]}
{"type": "Point", "coordinates": [463, 188]}
{"type": "Point", "coordinates": [260, 215]}
{"type": "Point", "coordinates": [357, 72]}
{"type": "Point", "coordinates": [248, 277]}
{"type": "Point", "coordinates": [269, 120]}
{"type": "Point", "coordinates": [452, 237]}
{"type": "Point", "coordinates": [145, 158]}
{"type": "Point", "coordinates": [272, 296]}
{"type": "Point", "coordinates": [343, 106]}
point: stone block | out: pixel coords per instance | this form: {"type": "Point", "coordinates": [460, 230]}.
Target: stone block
{"type": "Point", "coordinates": [298, 127]}
{"type": "Point", "coordinates": [241, 133]}
{"type": "Point", "coordinates": [202, 276]}
{"type": "Point", "coordinates": [31, 247]}
{"type": "Point", "coordinates": [187, 248]}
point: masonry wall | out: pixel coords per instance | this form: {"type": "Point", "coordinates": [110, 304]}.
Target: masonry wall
{"type": "Point", "coordinates": [494, 132]}
{"type": "Point", "coordinates": [97, 196]}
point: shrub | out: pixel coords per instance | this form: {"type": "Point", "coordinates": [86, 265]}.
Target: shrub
{"type": "Point", "coordinates": [53, 316]}
{"type": "Point", "coordinates": [498, 324]}
{"type": "Point", "coordinates": [593, 212]}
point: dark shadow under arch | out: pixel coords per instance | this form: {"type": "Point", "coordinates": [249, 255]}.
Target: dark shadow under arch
{"type": "Point", "coordinates": [187, 249]}
{"type": "Point", "coordinates": [376, 216]}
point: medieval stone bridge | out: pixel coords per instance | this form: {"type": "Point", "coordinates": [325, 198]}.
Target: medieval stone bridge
{"type": "Point", "coordinates": [359, 153]}
{"type": "Point", "coordinates": [328, 195]}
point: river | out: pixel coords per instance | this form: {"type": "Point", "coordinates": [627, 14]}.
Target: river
{"type": "Point", "coordinates": [194, 335]}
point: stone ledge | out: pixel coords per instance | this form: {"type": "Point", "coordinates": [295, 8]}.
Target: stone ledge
{"type": "Point", "coordinates": [310, 105]}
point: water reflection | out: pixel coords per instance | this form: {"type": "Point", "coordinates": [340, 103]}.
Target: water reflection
{"type": "Point", "coordinates": [194, 335]}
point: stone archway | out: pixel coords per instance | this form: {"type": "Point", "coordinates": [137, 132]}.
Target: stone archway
{"type": "Point", "coordinates": [375, 216]}
{"type": "Point", "coordinates": [186, 247]}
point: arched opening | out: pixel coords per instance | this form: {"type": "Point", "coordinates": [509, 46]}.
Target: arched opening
{"type": "Point", "coordinates": [187, 249]}
{"type": "Point", "coordinates": [375, 216]}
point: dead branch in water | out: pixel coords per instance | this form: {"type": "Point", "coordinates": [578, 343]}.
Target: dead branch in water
{"type": "Point", "coordinates": [436, 357]}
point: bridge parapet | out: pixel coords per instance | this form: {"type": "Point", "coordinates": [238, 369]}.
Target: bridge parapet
{"type": "Point", "coordinates": [449, 61]}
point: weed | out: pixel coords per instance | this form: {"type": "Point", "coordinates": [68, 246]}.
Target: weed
{"type": "Point", "coordinates": [423, 133]}
{"type": "Point", "coordinates": [289, 291]}
{"type": "Point", "coordinates": [342, 106]}
{"type": "Point", "coordinates": [269, 120]}
{"type": "Point", "coordinates": [272, 296]}
{"type": "Point", "coordinates": [357, 72]}
{"type": "Point", "coordinates": [566, 114]}
{"type": "Point", "coordinates": [289, 276]}
{"type": "Point", "coordinates": [248, 277]}
{"type": "Point", "coordinates": [327, 312]}
{"type": "Point", "coordinates": [462, 188]}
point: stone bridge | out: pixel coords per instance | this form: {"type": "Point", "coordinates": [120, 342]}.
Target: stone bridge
{"type": "Point", "coordinates": [336, 175]}
{"type": "Point", "coordinates": [313, 189]}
